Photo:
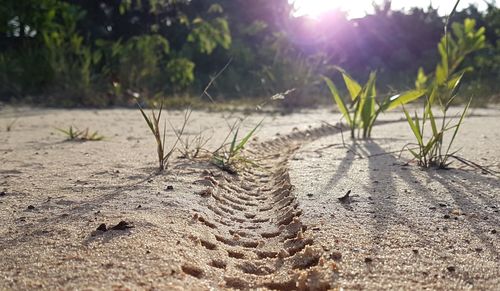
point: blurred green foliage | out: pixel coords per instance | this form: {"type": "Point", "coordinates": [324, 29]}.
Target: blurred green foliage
{"type": "Point", "coordinates": [102, 53]}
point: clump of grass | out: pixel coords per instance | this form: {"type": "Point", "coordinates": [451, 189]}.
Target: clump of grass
{"type": "Point", "coordinates": [74, 134]}
{"type": "Point", "coordinates": [228, 156]}
{"type": "Point", "coordinates": [430, 153]}
{"type": "Point", "coordinates": [193, 147]}
{"type": "Point", "coordinates": [364, 108]}
{"type": "Point", "coordinates": [153, 122]}
{"type": "Point", "coordinates": [442, 88]}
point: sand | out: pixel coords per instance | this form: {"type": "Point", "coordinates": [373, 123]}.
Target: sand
{"type": "Point", "coordinates": [276, 226]}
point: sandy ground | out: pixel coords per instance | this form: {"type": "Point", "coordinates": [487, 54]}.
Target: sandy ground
{"type": "Point", "coordinates": [277, 226]}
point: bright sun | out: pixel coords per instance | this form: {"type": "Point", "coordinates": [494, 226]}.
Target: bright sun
{"type": "Point", "coordinates": [314, 8]}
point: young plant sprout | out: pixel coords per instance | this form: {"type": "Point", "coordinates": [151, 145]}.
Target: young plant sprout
{"type": "Point", "coordinates": [153, 122]}
{"type": "Point", "coordinates": [442, 88]}
{"type": "Point", "coordinates": [227, 158]}
{"type": "Point", "coordinates": [74, 134]}
{"type": "Point", "coordinates": [364, 108]}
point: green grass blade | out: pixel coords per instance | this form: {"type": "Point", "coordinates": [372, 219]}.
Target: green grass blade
{"type": "Point", "coordinates": [353, 87]}
{"type": "Point", "coordinates": [454, 83]}
{"type": "Point", "coordinates": [413, 127]}
{"type": "Point", "coordinates": [428, 110]}
{"type": "Point", "coordinates": [402, 99]}
{"type": "Point", "coordinates": [415, 154]}
{"type": "Point", "coordinates": [247, 137]}
{"type": "Point", "coordinates": [340, 103]}
{"type": "Point", "coordinates": [147, 119]}
{"type": "Point", "coordinates": [66, 132]}
{"type": "Point", "coordinates": [232, 150]}
{"type": "Point", "coordinates": [458, 127]}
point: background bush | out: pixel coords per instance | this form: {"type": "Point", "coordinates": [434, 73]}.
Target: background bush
{"type": "Point", "coordinates": [101, 53]}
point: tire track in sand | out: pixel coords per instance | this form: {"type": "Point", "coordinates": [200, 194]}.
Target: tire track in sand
{"type": "Point", "coordinates": [255, 229]}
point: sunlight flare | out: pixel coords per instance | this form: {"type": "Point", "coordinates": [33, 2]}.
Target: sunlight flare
{"type": "Point", "coordinates": [314, 8]}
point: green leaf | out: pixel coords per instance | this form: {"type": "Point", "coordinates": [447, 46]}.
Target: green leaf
{"type": "Point", "coordinates": [428, 111]}
{"type": "Point", "coordinates": [413, 127]}
{"type": "Point", "coordinates": [340, 103]}
{"type": "Point", "coordinates": [233, 143]}
{"type": "Point", "coordinates": [454, 82]}
{"type": "Point", "coordinates": [352, 86]}
{"type": "Point", "coordinates": [215, 8]}
{"type": "Point", "coordinates": [417, 156]}
{"type": "Point", "coordinates": [147, 119]}
{"type": "Point", "coordinates": [403, 98]}
{"type": "Point", "coordinates": [244, 141]}
{"type": "Point", "coordinates": [368, 111]}
{"type": "Point", "coordinates": [458, 126]}
{"type": "Point", "coordinates": [421, 81]}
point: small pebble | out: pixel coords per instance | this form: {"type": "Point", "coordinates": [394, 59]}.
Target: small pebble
{"type": "Point", "coordinates": [310, 195]}
{"type": "Point", "coordinates": [415, 251]}
{"type": "Point", "coordinates": [2, 193]}
{"type": "Point", "coordinates": [170, 188]}
{"type": "Point", "coordinates": [446, 216]}
{"type": "Point", "coordinates": [451, 269]}
{"type": "Point", "coordinates": [31, 207]}
{"type": "Point", "coordinates": [337, 256]}
{"type": "Point", "coordinates": [368, 260]}
{"type": "Point", "coordinates": [493, 231]}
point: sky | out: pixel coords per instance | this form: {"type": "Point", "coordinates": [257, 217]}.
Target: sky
{"type": "Point", "coordinates": [358, 8]}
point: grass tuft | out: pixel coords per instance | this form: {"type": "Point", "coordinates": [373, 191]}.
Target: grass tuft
{"type": "Point", "coordinates": [153, 122]}
{"type": "Point", "coordinates": [228, 156]}
{"type": "Point", "coordinates": [74, 134]}
{"type": "Point", "coordinates": [442, 88]}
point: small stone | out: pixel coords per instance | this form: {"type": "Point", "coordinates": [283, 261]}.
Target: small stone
{"type": "Point", "coordinates": [140, 206]}
{"type": "Point", "coordinates": [2, 193]}
{"type": "Point", "coordinates": [337, 256]}
{"type": "Point", "coordinates": [102, 227]}
{"type": "Point", "coordinates": [493, 231]}
{"type": "Point", "coordinates": [441, 204]}
{"type": "Point", "coordinates": [170, 188]}
{"type": "Point", "coordinates": [207, 192]}
{"type": "Point", "coordinates": [450, 269]}
{"type": "Point", "coordinates": [31, 207]}
{"type": "Point", "coordinates": [368, 260]}
{"type": "Point", "coordinates": [432, 208]}
{"type": "Point", "coordinates": [310, 195]}
{"type": "Point", "coordinates": [446, 216]}
{"type": "Point", "coordinates": [479, 250]}
{"type": "Point", "coordinates": [415, 251]}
